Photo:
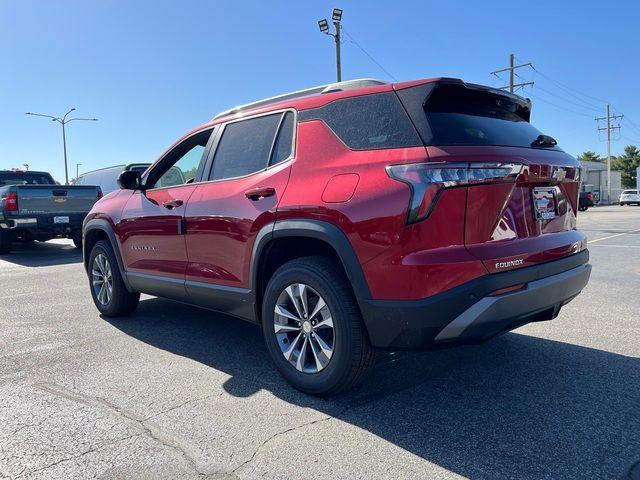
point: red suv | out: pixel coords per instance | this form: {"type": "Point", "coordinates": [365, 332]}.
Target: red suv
{"type": "Point", "coordinates": [348, 218]}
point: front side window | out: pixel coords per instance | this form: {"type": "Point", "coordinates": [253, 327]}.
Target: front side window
{"type": "Point", "coordinates": [181, 164]}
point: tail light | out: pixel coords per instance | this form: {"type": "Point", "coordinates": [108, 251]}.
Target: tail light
{"type": "Point", "coordinates": [428, 180]}
{"type": "Point", "coordinates": [11, 202]}
{"type": "Point", "coordinates": [589, 196]}
{"type": "Point", "coordinates": [100, 195]}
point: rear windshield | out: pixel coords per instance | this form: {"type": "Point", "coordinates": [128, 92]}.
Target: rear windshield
{"type": "Point", "coordinates": [630, 192]}
{"type": "Point", "coordinates": [25, 178]}
{"type": "Point", "coordinates": [456, 115]}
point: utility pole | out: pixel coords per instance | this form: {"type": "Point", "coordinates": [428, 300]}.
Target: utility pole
{"type": "Point", "coordinates": [78, 170]}
{"type": "Point", "coordinates": [336, 16]}
{"type": "Point", "coordinates": [512, 73]}
{"type": "Point", "coordinates": [63, 121]}
{"type": "Point", "coordinates": [609, 118]}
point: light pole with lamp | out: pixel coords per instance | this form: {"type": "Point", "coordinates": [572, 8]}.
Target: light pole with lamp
{"type": "Point", "coordinates": [336, 16]}
{"type": "Point", "coordinates": [63, 121]}
{"type": "Point", "coordinates": [77, 170]}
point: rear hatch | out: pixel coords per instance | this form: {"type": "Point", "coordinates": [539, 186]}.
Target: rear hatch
{"type": "Point", "coordinates": [56, 199]}
{"type": "Point", "coordinates": [522, 190]}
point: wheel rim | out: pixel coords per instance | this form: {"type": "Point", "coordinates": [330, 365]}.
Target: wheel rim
{"type": "Point", "coordinates": [102, 279]}
{"type": "Point", "coordinates": [304, 328]}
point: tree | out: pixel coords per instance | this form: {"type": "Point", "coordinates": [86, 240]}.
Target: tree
{"type": "Point", "coordinates": [590, 156]}
{"type": "Point", "coordinates": [627, 164]}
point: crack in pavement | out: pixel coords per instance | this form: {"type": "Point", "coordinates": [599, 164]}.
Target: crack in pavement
{"type": "Point", "coordinates": [73, 457]}
{"type": "Point", "coordinates": [150, 429]}
{"type": "Point", "coordinates": [277, 434]}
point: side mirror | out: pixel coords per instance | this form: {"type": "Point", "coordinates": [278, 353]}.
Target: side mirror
{"type": "Point", "coordinates": [130, 180]}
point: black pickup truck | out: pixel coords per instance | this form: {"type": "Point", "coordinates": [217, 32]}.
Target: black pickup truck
{"type": "Point", "coordinates": [34, 207]}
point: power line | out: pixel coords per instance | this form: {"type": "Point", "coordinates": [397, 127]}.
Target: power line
{"type": "Point", "coordinates": [353, 40]}
{"type": "Point", "coordinates": [538, 87]}
{"type": "Point", "coordinates": [582, 114]}
{"type": "Point", "coordinates": [630, 139]}
{"type": "Point", "coordinates": [634, 128]}
{"type": "Point", "coordinates": [571, 91]}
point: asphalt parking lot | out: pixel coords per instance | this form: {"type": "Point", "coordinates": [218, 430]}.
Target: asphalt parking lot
{"type": "Point", "coordinates": [179, 392]}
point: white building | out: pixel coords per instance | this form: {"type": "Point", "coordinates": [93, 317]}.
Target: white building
{"type": "Point", "coordinates": [594, 174]}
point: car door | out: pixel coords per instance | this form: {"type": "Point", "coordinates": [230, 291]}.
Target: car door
{"type": "Point", "coordinates": [247, 174]}
{"type": "Point", "coordinates": [152, 224]}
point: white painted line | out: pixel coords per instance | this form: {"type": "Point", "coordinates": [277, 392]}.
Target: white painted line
{"type": "Point", "coordinates": [589, 242]}
{"type": "Point", "coordinates": [618, 246]}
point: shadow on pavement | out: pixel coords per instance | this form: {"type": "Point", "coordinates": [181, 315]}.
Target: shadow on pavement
{"type": "Point", "coordinates": [516, 407]}
{"type": "Point", "coordinates": [39, 254]}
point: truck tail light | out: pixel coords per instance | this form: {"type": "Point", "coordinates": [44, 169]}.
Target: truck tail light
{"type": "Point", "coordinates": [11, 202]}
{"type": "Point", "coordinates": [589, 196]}
{"type": "Point", "coordinates": [428, 180]}
{"type": "Point", "coordinates": [100, 194]}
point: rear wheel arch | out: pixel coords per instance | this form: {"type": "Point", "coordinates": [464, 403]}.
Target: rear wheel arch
{"type": "Point", "coordinates": [287, 240]}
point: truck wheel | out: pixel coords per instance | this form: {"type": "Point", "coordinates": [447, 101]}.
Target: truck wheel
{"type": "Point", "coordinates": [5, 241]}
{"type": "Point", "coordinates": [108, 291]}
{"type": "Point", "coordinates": [313, 328]}
{"type": "Point", "coordinates": [77, 241]}
{"type": "Point", "coordinates": [622, 204]}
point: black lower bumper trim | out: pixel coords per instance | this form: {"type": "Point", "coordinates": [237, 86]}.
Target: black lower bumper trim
{"type": "Point", "coordinates": [416, 324]}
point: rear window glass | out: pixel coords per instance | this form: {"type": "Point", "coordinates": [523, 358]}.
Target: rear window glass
{"type": "Point", "coordinates": [456, 115]}
{"type": "Point", "coordinates": [630, 192]}
{"type": "Point", "coordinates": [25, 179]}
{"type": "Point", "coordinates": [367, 122]}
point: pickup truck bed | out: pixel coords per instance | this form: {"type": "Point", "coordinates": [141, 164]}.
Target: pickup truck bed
{"type": "Point", "coordinates": [42, 211]}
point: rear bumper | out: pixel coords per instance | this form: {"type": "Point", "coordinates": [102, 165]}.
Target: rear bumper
{"type": "Point", "coordinates": [39, 224]}
{"type": "Point", "coordinates": [468, 314]}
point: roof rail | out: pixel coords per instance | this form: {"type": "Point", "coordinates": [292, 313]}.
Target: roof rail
{"type": "Point", "coordinates": [329, 88]}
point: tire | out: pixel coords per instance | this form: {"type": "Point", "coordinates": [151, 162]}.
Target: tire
{"type": "Point", "coordinates": [622, 204]}
{"type": "Point", "coordinates": [6, 239]}
{"type": "Point", "coordinates": [582, 208]}
{"type": "Point", "coordinates": [77, 241]}
{"type": "Point", "coordinates": [351, 354]}
{"type": "Point", "coordinates": [103, 265]}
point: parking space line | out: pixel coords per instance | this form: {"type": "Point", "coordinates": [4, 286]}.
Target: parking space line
{"type": "Point", "coordinates": [617, 246]}
{"type": "Point", "coordinates": [613, 236]}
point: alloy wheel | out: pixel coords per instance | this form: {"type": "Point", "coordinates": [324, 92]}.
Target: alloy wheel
{"type": "Point", "coordinates": [304, 328]}
{"type": "Point", "coordinates": [102, 279]}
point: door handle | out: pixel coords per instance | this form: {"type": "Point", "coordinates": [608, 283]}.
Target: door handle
{"type": "Point", "coordinates": [259, 193]}
{"type": "Point", "coordinates": [171, 204]}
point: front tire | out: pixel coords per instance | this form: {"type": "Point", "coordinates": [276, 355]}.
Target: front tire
{"type": "Point", "coordinates": [77, 241]}
{"type": "Point", "coordinates": [313, 328]}
{"type": "Point", "coordinates": [109, 293]}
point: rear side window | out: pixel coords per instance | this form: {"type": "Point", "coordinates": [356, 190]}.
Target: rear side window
{"type": "Point", "coordinates": [246, 146]}
{"type": "Point", "coordinates": [284, 142]}
{"type": "Point", "coordinates": [367, 122]}
{"type": "Point", "coordinates": [447, 114]}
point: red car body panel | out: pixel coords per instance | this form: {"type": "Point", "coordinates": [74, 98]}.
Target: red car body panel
{"type": "Point", "coordinates": [150, 239]}
{"type": "Point", "coordinates": [222, 224]}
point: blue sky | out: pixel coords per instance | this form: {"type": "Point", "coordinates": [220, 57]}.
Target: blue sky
{"type": "Point", "coordinates": [151, 70]}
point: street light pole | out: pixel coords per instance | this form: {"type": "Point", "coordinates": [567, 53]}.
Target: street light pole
{"type": "Point", "coordinates": [63, 121]}
{"type": "Point", "coordinates": [336, 16]}
{"type": "Point", "coordinates": [338, 62]}
{"type": "Point", "coordinates": [77, 170]}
